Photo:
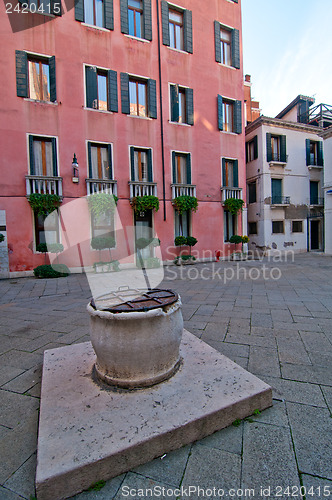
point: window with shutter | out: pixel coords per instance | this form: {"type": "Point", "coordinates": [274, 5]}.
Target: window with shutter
{"type": "Point", "coordinates": [227, 45]}
{"type": "Point", "coordinates": [182, 104]}
{"type": "Point", "coordinates": [181, 168]}
{"type": "Point", "coordinates": [100, 161]}
{"type": "Point", "coordinates": [95, 13]}
{"type": "Point", "coordinates": [141, 165]}
{"type": "Point", "coordinates": [177, 27]}
{"type": "Point", "coordinates": [43, 156]}
{"type": "Point", "coordinates": [35, 77]}
{"type": "Point", "coordinates": [230, 173]}
{"type": "Point", "coordinates": [101, 89]}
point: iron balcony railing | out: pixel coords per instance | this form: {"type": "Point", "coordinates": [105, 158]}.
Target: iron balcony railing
{"type": "Point", "coordinates": [280, 200]}
{"type": "Point", "coordinates": [317, 201]}
{"type": "Point", "coordinates": [43, 185]}
{"type": "Point", "coordinates": [230, 192]}
{"type": "Point", "coordinates": [101, 186]}
{"type": "Point", "coordinates": [183, 190]}
{"type": "Point", "coordinates": [139, 188]}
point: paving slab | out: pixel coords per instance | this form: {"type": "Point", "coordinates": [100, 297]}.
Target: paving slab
{"type": "Point", "coordinates": [217, 469]}
{"type": "Point", "coordinates": [316, 487]}
{"type": "Point", "coordinates": [296, 392]}
{"type": "Point", "coordinates": [312, 442]}
{"type": "Point", "coordinates": [268, 459]}
{"type": "Point", "coordinates": [22, 481]}
{"type": "Point", "coordinates": [139, 487]}
{"type": "Point", "coordinates": [87, 434]}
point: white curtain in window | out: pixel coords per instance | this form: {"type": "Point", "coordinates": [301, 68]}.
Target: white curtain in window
{"type": "Point", "coordinates": [49, 158]}
{"type": "Point", "coordinates": [94, 162]}
{"type": "Point", "coordinates": [37, 157]}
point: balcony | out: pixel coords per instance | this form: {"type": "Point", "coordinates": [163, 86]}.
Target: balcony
{"type": "Point", "coordinates": [278, 160]}
{"type": "Point", "coordinates": [94, 186]}
{"type": "Point", "coordinates": [183, 190]}
{"type": "Point", "coordinates": [316, 201]}
{"type": "Point", "coordinates": [38, 184]}
{"type": "Point", "coordinates": [140, 188]}
{"type": "Point", "coordinates": [230, 192]}
{"type": "Point", "coordinates": [280, 201]}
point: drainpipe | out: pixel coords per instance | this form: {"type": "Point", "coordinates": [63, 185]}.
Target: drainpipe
{"type": "Point", "coordinates": [161, 112]}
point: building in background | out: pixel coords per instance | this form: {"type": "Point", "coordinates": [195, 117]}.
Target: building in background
{"type": "Point", "coordinates": [327, 141]}
{"type": "Point", "coordinates": [149, 97]}
{"type": "Point", "coordinates": [285, 178]}
{"type": "Point", "coordinates": [251, 107]}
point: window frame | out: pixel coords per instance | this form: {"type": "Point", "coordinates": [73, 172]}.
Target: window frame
{"type": "Point", "coordinates": [278, 222]}
{"type": "Point", "coordinates": [141, 12]}
{"type": "Point", "coordinates": [139, 81]}
{"type": "Point", "coordinates": [40, 60]}
{"type": "Point", "coordinates": [95, 14]}
{"type": "Point", "coordinates": [255, 232]}
{"type": "Point", "coordinates": [228, 104]}
{"type": "Point", "coordinates": [31, 165]}
{"type": "Point", "coordinates": [40, 227]}
{"type": "Point", "coordinates": [180, 217]}
{"type": "Point", "coordinates": [225, 45]}
{"type": "Point", "coordinates": [174, 23]}
{"type": "Point", "coordinates": [226, 225]}
{"type": "Point", "coordinates": [102, 73]}
{"type": "Point", "coordinates": [297, 222]}
{"type": "Point", "coordinates": [252, 198]}
{"type": "Point", "coordinates": [100, 145]}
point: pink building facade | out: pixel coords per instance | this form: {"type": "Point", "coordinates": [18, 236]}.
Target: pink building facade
{"type": "Point", "coordinates": [147, 94]}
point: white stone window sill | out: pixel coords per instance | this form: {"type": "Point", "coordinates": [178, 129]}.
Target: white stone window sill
{"type": "Point", "coordinates": [28, 99]}
{"type": "Point", "coordinates": [140, 117]}
{"type": "Point", "coordinates": [227, 66]}
{"type": "Point", "coordinates": [132, 37]}
{"type": "Point", "coordinates": [229, 133]}
{"type": "Point", "coordinates": [99, 28]}
{"type": "Point", "coordinates": [181, 124]}
{"type": "Point", "coordinates": [99, 110]}
{"type": "Point", "coordinates": [178, 50]}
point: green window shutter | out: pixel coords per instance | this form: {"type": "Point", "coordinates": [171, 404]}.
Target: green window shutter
{"type": "Point", "coordinates": [124, 16]}
{"type": "Point", "coordinates": [31, 156]}
{"type": "Point", "coordinates": [150, 173]}
{"type": "Point", "coordinates": [152, 98]}
{"type": "Point", "coordinates": [307, 151]}
{"type": "Point", "coordinates": [147, 19]}
{"type": "Point", "coordinates": [268, 147]}
{"type": "Point", "coordinates": [188, 165]}
{"type": "Point", "coordinates": [217, 41]}
{"type": "Point", "coordinates": [91, 86]}
{"type": "Point", "coordinates": [174, 167]}
{"type": "Point", "coordinates": [313, 193]}
{"type": "Point", "coordinates": [108, 15]}
{"type": "Point", "coordinates": [21, 73]}
{"type": "Point", "coordinates": [220, 114]}
{"type": "Point", "coordinates": [224, 180]}
{"type": "Point", "coordinates": [55, 157]}
{"type": "Point", "coordinates": [237, 117]}
{"type": "Point", "coordinates": [188, 31]}
{"type": "Point", "coordinates": [79, 10]}
{"type": "Point", "coordinates": [89, 160]}
{"type": "Point", "coordinates": [235, 48]}
{"type": "Point", "coordinates": [165, 22]}
{"type": "Point", "coordinates": [112, 91]}
{"type": "Point", "coordinates": [235, 1]}
{"type": "Point", "coordinates": [174, 92]}
{"type": "Point", "coordinates": [236, 173]}
{"type": "Point", "coordinates": [125, 104]}
{"type": "Point", "coordinates": [283, 153]}
{"type": "Point", "coordinates": [276, 190]}
{"type": "Point", "coordinates": [190, 106]}
{"type": "Point", "coordinates": [109, 153]}
{"type": "Point", "coordinates": [247, 152]}
{"type": "Point", "coordinates": [55, 7]}
{"type": "Point", "coordinates": [320, 156]}
{"type": "Point", "coordinates": [255, 147]}
{"type": "Point", "coordinates": [52, 79]}
{"type": "Point", "coordinates": [132, 163]}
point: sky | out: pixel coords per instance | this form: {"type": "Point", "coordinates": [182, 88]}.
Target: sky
{"type": "Point", "coordinates": [287, 50]}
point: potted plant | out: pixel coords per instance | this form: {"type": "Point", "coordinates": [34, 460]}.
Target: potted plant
{"type": "Point", "coordinates": [44, 204]}
{"type": "Point", "coordinates": [185, 259]}
{"type": "Point", "coordinates": [2, 238]}
{"type": "Point", "coordinates": [184, 203]}
{"type": "Point", "coordinates": [236, 239]}
{"type": "Point", "coordinates": [55, 248]}
{"type": "Point", "coordinates": [101, 243]}
{"type": "Point", "coordinates": [143, 203]}
{"type": "Point", "coordinates": [234, 205]}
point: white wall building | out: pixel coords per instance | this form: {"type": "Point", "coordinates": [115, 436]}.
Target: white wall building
{"type": "Point", "coordinates": [327, 136]}
{"type": "Point", "coordinates": [285, 181]}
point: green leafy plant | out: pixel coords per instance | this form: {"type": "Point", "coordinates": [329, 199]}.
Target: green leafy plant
{"type": "Point", "coordinates": [245, 239]}
{"type": "Point", "coordinates": [42, 247]}
{"type": "Point", "coordinates": [113, 265]}
{"type": "Point", "coordinates": [55, 248]}
{"type": "Point", "coordinates": [1, 238]}
{"type": "Point", "coordinates": [102, 203]}
{"type": "Point", "coordinates": [44, 204]}
{"type": "Point", "coordinates": [185, 203]}
{"type": "Point", "coordinates": [235, 239]}
{"type": "Point", "coordinates": [191, 242]}
{"type": "Point", "coordinates": [149, 263]}
{"type": "Point", "coordinates": [55, 271]}
{"type": "Point", "coordinates": [143, 203]}
{"type": "Point", "coordinates": [188, 257]}
{"type": "Point", "coordinates": [97, 486]}
{"type": "Point", "coordinates": [103, 242]}
{"type": "Point", "coordinates": [237, 422]}
{"type": "Point", "coordinates": [234, 205]}
{"type": "Point", "coordinates": [180, 241]}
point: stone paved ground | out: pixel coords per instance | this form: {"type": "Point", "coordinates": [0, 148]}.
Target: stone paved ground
{"type": "Point", "coordinates": [280, 330]}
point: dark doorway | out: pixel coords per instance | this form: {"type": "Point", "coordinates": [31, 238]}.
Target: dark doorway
{"type": "Point", "coordinates": [314, 234]}
{"type": "Point", "coordinates": [143, 229]}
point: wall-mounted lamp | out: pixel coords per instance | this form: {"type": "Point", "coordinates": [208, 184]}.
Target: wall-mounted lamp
{"type": "Point", "coordinates": [75, 170]}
